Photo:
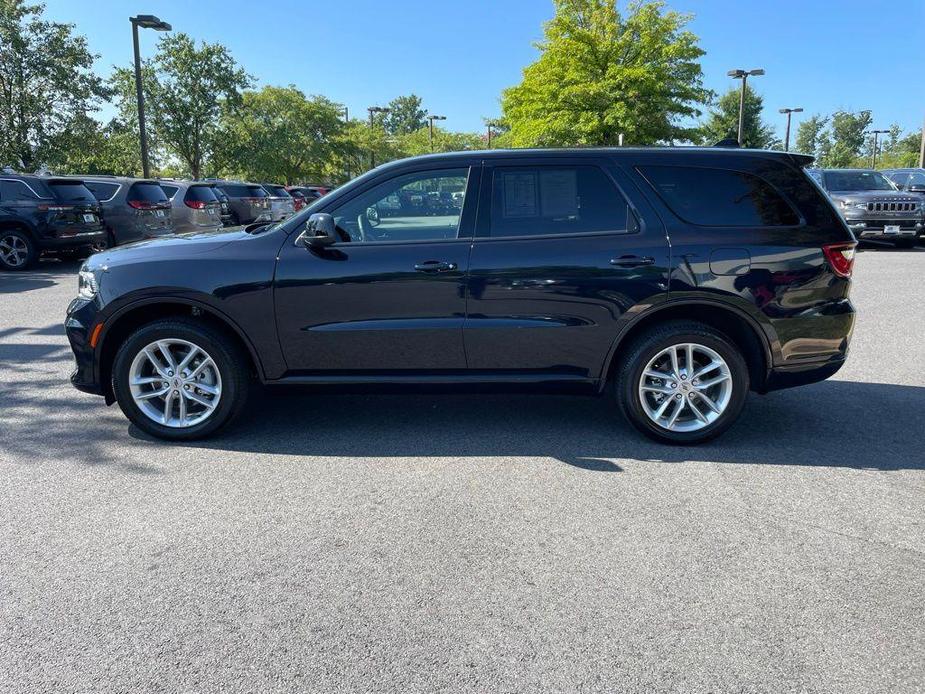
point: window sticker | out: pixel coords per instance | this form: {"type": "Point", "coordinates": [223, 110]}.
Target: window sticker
{"type": "Point", "coordinates": [520, 195]}
{"type": "Point", "coordinates": [560, 194]}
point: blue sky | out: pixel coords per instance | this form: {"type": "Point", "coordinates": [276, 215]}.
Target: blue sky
{"type": "Point", "coordinates": [459, 55]}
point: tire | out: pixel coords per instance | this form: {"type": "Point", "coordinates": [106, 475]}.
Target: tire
{"type": "Point", "coordinates": [710, 347]}
{"type": "Point", "coordinates": [17, 250]}
{"type": "Point", "coordinates": [228, 373]}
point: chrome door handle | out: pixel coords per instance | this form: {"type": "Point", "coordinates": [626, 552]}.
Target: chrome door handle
{"type": "Point", "coordinates": [632, 260]}
{"type": "Point", "coordinates": [434, 266]}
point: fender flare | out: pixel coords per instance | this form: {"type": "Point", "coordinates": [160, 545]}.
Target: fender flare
{"type": "Point", "coordinates": [763, 339]}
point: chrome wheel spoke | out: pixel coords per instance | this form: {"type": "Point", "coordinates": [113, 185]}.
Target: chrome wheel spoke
{"type": "Point", "coordinates": [673, 353]}
{"type": "Point", "coordinates": [696, 410]}
{"type": "Point", "coordinates": [168, 407]}
{"type": "Point", "coordinates": [182, 399]}
{"type": "Point", "coordinates": [206, 363]}
{"type": "Point", "coordinates": [677, 411]}
{"type": "Point", "coordinates": [658, 374]}
{"type": "Point", "coordinates": [707, 369]}
{"type": "Point", "coordinates": [155, 362]}
{"type": "Point", "coordinates": [703, 385]}
{"type": "Point", "coordinates": [709, 403]}
{"type": "Point", "coordinates": [164, 349]}
{"type": "Point", "coordinates": [152, 394]}
{"type": "Point", "coordinates": [205, 402]}
{"type": "Point", "coordinates": [145, 380]}
{"type": "Point", "coordinates": [206, 388]}
{"type": "Point", "coordinates": [664, 390]}
{"type": "Point", "coordinates": [194, 351]}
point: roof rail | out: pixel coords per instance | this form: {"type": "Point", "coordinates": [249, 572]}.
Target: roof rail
{"type": "Point", "coordinates": [728, 142]}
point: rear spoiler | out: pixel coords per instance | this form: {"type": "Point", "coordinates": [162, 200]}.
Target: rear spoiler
{"type": "Point", "coordinates": [801, 160]}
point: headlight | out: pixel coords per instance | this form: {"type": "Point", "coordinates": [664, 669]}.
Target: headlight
{"type": "Point", "coordinates": [87, 286]}
{"type": "Point", "coordinates": [861, 206]}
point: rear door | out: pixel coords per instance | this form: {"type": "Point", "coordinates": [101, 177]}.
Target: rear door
{"type": "Point", "coordinates": [561, 253]}
{"type": "Point", "coordinates": [150, 212]}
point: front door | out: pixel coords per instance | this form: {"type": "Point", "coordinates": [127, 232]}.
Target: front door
{"type": "Point", "coordinates": [560, 254]}
{"type": "Point", "coordinates": [390, 296]}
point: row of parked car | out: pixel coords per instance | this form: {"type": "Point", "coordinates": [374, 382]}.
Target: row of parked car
{"type": "Point", "coordinates": [878, 205]}
{"type": "Point", "coordinates": [73, 216]}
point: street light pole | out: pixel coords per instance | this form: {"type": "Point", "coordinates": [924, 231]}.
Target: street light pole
{"type": "Point", "coordinates": [743, 75]}
{"type": "Point", "coordinates": [431, 119]}
{"type": "Point", "coordinates": [788, 111]}
{"type": "Point", "coordinates": [873, 159]}
{"type": "Point", "coordinates": [145, 21]}
{"type": "Point", "coordinates": [372, 110]}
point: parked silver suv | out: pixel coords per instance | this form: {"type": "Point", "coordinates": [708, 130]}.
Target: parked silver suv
{"type": "Point", "coordinates": [872, 206]}
{"type": "Point", "coordinates": [194, 206]}
{"type": "Point", "coordinates": [281, 203]}
{"type": "Point", "coordinates": [247, 202]}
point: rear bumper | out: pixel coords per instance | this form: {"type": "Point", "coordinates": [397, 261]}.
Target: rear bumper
{"type": "Point", "coordinates": [803, 374]}
{"type": "Point", "coordinates": [78, 240]}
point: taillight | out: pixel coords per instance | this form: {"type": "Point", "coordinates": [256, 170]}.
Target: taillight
{"type": "Point", "coordinates": [840, 257]}
{"type": "Point", "coordinates": [144, 205]}
{"type": "Point", "coordinates": [196, 204]}
{"type": "Point", "coordinates": [56, 208]}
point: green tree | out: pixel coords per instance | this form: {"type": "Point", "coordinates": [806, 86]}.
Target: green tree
{"type": "Point", "coordinates": [841, 144]}
{"type": "Point", "coordinates": [46, 82]}
{"type": "Point", "coordinates": [723, 121]}
{"type": "Point", "coordinates": [89, 147]}
{"type": "Point", "coordinates": [280, 135]}
{"type": "Point", "coordinates": [808, 132]}
{"type": "Point", "coordinates": [602, 73]}
{"type": "Point", "coordinates": [188, 91]}
{"type": "Point", "coordinates": [418, 142]}
{"type": "Point", "coordinates": [405, 115]}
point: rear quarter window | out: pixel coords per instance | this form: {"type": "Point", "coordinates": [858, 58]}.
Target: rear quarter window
{"type": "Point", "coordinates": [719, 197]}
{"type": "Point", "coordinates": [169, 191]}
{"type": "Point", "coordinates": [256, 192]}
{"type": "Point", "coordinates": [102, 191]}
{"type": "Point", "coordinates": [11, 191]}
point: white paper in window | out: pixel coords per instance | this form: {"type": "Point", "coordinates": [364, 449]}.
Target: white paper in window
{"type": "Point", "coordinates": [520, 195]}
{"type": "Point", "coordinates": [560, 194]}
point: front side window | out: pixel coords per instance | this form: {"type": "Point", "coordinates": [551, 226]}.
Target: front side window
{"type": "Point", "coordinates": [422, 206]}
{"type": "Point", "coordinates": [540, 200]}
{"type": "Point", "coordinates": [719, 197]}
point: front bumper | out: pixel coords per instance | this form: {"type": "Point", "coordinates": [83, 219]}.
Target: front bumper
{"type": "Point", "coordinates": [78, 325]}
{"type": "Point", "coordinates": [867, 228]}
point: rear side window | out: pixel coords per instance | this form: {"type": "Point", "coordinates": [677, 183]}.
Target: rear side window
{"type": "Point", "coordinates": [278, 191]}
{"type": "Point", "coordinates": [534, 200]}
{"type": "Point", "coordinates": [169, 191]}
{"type": "Point", "coordinates": [71, 192]}
{"type": "Point", "coordinates": [200, 193]}
{"type": "Point", "coordinates": [15, 190]}
{"type": "Point", "coordinates": [256, 192]}
{"type": "Point", "coordinates": [102, 191]}
{"type": "Point", "coordinates": [146, 192]}
{"type": "Point", "coordinates": [719, 197]}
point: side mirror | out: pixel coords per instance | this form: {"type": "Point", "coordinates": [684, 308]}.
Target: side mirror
{"type": "Point", "coordinates": [320, 231]}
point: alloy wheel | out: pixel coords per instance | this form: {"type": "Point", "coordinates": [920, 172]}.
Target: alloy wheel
{"type": "Point", "coordinates": [685, 387]}
{"type": "Point", "coordinates": [175, 383]}
{"type": "Point", "coordinates": [13, 250]}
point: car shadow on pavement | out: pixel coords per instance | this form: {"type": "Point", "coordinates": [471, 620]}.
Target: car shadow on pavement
{"type": "Point", "coordinates": [46, 273]}
{"type": "Point", "coordinates": [830, 424]}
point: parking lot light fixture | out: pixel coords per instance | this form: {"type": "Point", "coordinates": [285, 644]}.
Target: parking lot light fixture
{"type": "Point", "coordinates": [876, 133]}
{"type": "Point", "coordinates": [145, 21]}
{"type": "Point", "coordinates": [743, 75]}
{"type": "Point", "coordinates": [789, 111]}
{"type": "Point", "coordinates": [431, 120]}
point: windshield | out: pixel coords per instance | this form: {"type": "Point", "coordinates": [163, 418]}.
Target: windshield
{"type": "Point", "coordinates": [857, 180]}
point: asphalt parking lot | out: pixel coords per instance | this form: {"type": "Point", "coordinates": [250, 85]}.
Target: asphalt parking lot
{"type": "Point", "coordinates": [427, 542]}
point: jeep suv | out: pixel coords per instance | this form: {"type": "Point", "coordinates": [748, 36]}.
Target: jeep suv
{"type": "Point", "coordinates": [872, 206]}
{"type": "Point", "coordinates": [672, 280]}
{"type": "Point", "coordinates": [43, 214]}
{"type": "Point", "coordinates": [132, 208]}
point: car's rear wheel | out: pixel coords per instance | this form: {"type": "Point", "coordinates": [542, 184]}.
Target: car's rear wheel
{"type": "Point", "coordinates": [179, 380]}
{"type": "Point", "coordinates": [682, 382]}
{"type": "Point", "coordinates": [17, 251]}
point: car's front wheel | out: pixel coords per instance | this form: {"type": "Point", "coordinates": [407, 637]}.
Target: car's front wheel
{"type": "Point", "coordinates": [179, 380]}
{"type": "Point", "coordinates": [682, 382]}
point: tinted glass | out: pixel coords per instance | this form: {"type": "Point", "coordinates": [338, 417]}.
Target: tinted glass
{"type": "Point", "coordinates": [15, 190]}
{"type": "Point", "coordinates": [71, 192]}
{"type": "Point", "coordinates": [146, 192]}
{"type": "Point", "coordinates": [256, 192]}
{"type": "Point", "coordinates": [201, 193]}
{"type": "Point", "coordinates": [856, 180]}
{"type": "Point", "coordinates": [219, 193]}
{"type": "Point", "coordinates": [169, 191]}
{"type": "Point", "coordinates": [235, 191]}
{"type": "Point", "coordinates": [102, 191]}
{"type": "Point", "coordinates": [719, 197]}
{"type": "Point", "coordinates": [421, 206]}
{"type": "Point", "coordinates": [899, 179]}
{"type": "Point", "coordinates": [555, 200]}
{"type": "Point", "coordinates": [278, 191]}
{"type": "Point", "coordinates": [916, 179]}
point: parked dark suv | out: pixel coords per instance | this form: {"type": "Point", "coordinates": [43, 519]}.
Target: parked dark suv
{"type": "Point", "coordinates": [132, 208]}
{"type": "Point", "coordinates": [45, 214]}
{"type": "Point", "coordinates": [674, 280]}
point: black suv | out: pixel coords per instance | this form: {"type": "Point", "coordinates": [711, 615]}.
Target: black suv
{"type": "Point", "coordinates": [674, 280]}
{"type": "Point", "coordinates": [44, 214]}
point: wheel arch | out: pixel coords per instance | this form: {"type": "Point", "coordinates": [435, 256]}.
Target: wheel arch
{"type": "Point", "coordinates": [741, 328]}
{"type": "Point", "coordinates": [19, 225]}
{"type": "Point", "coordinates": [133, 316]}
